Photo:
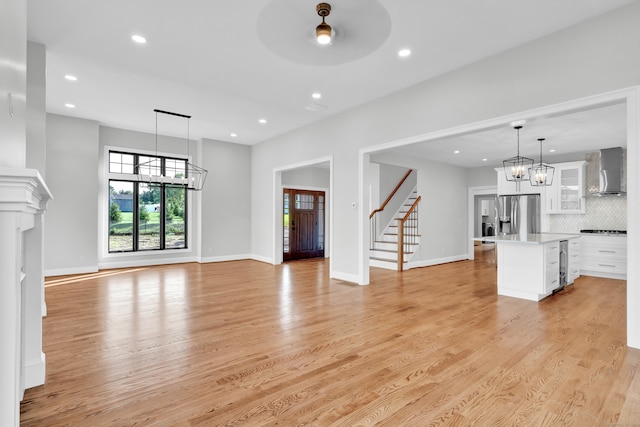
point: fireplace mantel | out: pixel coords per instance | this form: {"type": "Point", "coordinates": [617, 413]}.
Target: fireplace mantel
{"type": "Point", "coordinates": [23, 200]}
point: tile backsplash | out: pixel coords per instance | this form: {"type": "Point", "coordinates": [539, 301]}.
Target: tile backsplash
{"type": "Point", "coordinates": [601, 213]}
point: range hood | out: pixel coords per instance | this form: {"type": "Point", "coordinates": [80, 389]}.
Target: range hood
{"type": "Point", "coordinates": [606, 172]}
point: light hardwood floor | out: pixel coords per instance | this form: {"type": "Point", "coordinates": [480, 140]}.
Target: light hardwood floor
{"type": "Point", "coordinates": [251, 344]}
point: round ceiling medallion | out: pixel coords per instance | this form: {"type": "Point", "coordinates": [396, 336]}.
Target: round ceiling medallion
{"type": "Point", "coordinates": [287, 28]}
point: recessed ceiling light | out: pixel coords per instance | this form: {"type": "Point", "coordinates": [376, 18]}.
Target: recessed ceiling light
{"type": "Point", "coordinates": [552, 151]}
{"type": "Point", "coordinates": [262, 121]}
{"type": "Point", "coordinates": [71, 78]}
{"type": "Point", "coordinates": [233, 135]}
{"type": "Point", "coordinates": [456, 152]}
{"type": "Point", "coordinates": [403, 53]}
{"type": "Point", "coordinates": [484, 160]}
{"type": "Point", "coordinates": [69, 105]}
{"type": "Point", "coordinates": [316, 95]}
{"type": "Point", "coordinates": [138, 39]}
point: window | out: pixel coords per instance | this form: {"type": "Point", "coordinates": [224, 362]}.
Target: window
{"type": "Point", "coordinates": [146, 216]}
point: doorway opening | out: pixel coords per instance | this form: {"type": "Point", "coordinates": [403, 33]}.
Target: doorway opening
{"type": "Point", "coordinates": [303, 225]}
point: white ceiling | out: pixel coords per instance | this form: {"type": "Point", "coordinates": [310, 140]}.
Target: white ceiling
{"type": "Point", "coordinates": [569, 135]}
{"type": "Point", "coordinates": [229, 63]}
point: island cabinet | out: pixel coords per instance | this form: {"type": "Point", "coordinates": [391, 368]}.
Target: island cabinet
{"type": "Point", "coordinates": [528, 271]}
{"type": "Point", "coordinates": [573, 261]}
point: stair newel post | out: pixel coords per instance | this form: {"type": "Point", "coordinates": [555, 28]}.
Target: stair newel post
{"type": "Point", "coordinates": [400, 244]}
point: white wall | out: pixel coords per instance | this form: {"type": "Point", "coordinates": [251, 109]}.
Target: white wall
{"type": "Point", "coordinates": [387, 178]}
{"type": "Point", "coordinates": [587, 59]}
{"type": "Point", "coordinates": [140, 141]}
{"type": "Point", "coordinates": [71, 220]}
{"type": "Point", "coordinates": [36, 132]}
{"type": "Point", "coordinates": [481, 177]}
{"type": "Point", "coordinates": [13, 75]}
{"type": "Point", "coordinates": [219, 216]}
{"type": "Point", "coordinates": [226, 201]}
{"type": "Point", "coordinates": [390, 176]}
{"type": "Point", "coordinates": [442, 209]}
{"type": "Point", "coordinates": [306, 177]}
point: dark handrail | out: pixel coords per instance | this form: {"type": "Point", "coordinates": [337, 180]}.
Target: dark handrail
{"type": "Point", "coordinates": [395, 190]}
{"type": "Point", "coordinates": [401, 233]}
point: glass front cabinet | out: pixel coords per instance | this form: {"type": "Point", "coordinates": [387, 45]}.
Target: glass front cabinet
{"type": "Point", "coordinates": [566, 194]}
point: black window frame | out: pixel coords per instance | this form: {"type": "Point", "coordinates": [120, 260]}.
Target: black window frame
{"type": "Point", "coordinates": [136, 181]}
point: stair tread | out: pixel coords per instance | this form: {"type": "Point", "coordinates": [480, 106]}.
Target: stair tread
{"type": "Point", "coordinates": [395, 243]}
{"type": "Point", "coordinates": [387, 260]}
{"type": "Point", "coordinates": [389, 251]}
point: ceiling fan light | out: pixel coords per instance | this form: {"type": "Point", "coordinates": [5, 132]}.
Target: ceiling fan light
{"type": "Point", "coordinates": [323, 33]}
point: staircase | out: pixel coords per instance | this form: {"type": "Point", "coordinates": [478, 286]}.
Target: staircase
{"type": "Point", "coordinates": [384, 248]}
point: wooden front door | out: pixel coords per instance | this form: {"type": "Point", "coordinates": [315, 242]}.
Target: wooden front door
{"type": "Point", "coordinates": [303, 224]}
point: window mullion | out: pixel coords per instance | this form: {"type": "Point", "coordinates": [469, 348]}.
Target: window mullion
{"type": "Point", "coordinates": [163, 215]}
{"type": "Point", "coordinates": [136, 195]}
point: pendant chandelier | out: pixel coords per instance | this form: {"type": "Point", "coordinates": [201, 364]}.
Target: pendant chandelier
{"type": "Point", "coordinates": [541, 174]}
{"type": "Point", "coordinates": [517, 168]}
{"type": "Point", "coordinates": [153, 172]}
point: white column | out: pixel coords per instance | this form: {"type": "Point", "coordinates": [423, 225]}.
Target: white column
{"type": "Point", "coordinates": [10, 304]}
{"type": "Point", "coordinates": [33, 359]}
{"type": "Point", "coordinates": [23, 200]}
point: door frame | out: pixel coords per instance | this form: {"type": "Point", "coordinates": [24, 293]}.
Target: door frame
{"type": "Point", "coordinates": [473, 192]}
{"type": "Point", "coordinates": [277, 207]}
{"type": "Point", "coordinates": [324, 218]}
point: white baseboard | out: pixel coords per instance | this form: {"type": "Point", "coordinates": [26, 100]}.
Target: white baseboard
{"type": "Point", "coordinates": [435, 261]}
{"type": "Point", "coordinates": [388, 265]}
{"type": "Point", "coordinates": [224, 258]}
{"type": "Point", "coordinates": [70, 270]}
{"type": "Point", "coordinates": [34, 371]}
{"type": "Point", "coordinates": [604, 275]}
{"type": "Point", "coordinates": [260, 258]}
{"type": "Point", "coordinates": [145, 262]}
{"type": "Point", "coordinates": [347, 277]}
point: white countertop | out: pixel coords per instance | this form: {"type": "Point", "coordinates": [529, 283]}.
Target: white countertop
{"type": "Point", "coordinates": [530, 238]}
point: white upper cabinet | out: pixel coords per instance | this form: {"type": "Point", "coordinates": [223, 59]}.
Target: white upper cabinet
{"type": "Point", "coordinates": [566, 195]}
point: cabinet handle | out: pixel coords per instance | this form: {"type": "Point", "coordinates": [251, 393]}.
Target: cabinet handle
{"type": "Point", "coordinates": [555, 281]}
{"type": "Point", "coordinates": [554, 262]}
{"type": "Point", "coordinates": [608, 252]}
{"type": "Point", "coordinates": [607, 265]}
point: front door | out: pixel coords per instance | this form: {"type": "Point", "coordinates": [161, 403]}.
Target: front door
{"type": "Point", "coordinates": [303, 224]}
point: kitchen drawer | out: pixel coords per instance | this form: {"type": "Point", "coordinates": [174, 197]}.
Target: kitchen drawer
{"type": "Point", "coordinates": [610, 265]}
{"type": "Point", "coordinates": [604, 256]}
{"type": "Point", "coordinates": [552, 281]}
{"type": "Point", "coordinates": [605, 252]}
{"type": "Point", "coordinates": [552, 266]}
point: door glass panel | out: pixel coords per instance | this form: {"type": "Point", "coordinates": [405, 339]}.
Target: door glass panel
{"type": "Point", "coordinates": [304, 201]}
{"type": "Point", "coordinates": [285, 223]}
{"type": "Point", "coordinates": [120, 216]}
{"type": "Point", "coordinates": [148, 218]}
{"type": "Point", "coordinates": [174, 230]}
{"type": "Point", "coordinates": [321, 222]}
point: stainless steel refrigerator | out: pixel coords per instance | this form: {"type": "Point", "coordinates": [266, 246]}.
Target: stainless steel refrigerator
{"type": "Point", "coordinates": [517, 214]}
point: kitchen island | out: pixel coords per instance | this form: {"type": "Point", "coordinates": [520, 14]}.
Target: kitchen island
{"type": "Point", "coordinates": [529, 265]}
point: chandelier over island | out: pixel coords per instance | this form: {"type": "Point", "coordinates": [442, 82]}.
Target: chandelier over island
{"type": "Point", "coordinates": [517, 168]}
{"type": "Point", "coordinates": [541, 174]}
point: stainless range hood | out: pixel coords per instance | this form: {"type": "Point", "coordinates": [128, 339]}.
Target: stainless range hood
{"type": "Point", "coordinates": [606, 172]}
